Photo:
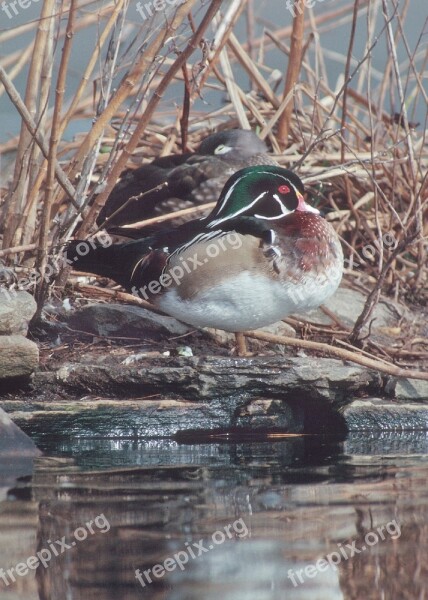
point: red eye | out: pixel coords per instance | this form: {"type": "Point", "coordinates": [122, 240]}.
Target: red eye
{"type": "Point", "coordinates": [284, 189]}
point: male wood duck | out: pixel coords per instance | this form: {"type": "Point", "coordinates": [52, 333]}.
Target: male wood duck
{"type": "Point", "coordinates": [193, 178]}
{"type": "Point", "coordinates": [261, 254]}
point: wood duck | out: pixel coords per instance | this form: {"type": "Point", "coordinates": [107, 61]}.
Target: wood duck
{"type": "Point", "coordinates": [261, 254]}
{"type": "Point", "coordinates": [193, 178]}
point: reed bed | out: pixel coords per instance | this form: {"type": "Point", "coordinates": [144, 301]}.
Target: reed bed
{"type": "Point", "coordinates": [354, 143]}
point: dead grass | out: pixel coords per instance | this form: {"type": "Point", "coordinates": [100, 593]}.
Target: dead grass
{"type": "Point", "coordinates": [355, 145]}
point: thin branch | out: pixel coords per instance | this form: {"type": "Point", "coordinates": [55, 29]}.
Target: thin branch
{"type": "Point", "coordinates": [340, 353]}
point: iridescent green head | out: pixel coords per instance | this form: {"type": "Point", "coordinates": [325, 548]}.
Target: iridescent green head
{"type": "Point", "coordinates": [264, 192]}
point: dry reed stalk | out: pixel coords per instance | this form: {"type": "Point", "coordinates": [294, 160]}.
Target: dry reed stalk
{"type": "Point", "coordinates": [184, 212]}
{"type": "Point", "coordinates": [292, 76]}
{"type": "Point", "coordinates": [18, 249]}
{"type": "Point", "coordinates": [332, 18]}
{"type": "Point", "coordinates": [221, 37]}
{"type": "Point", "coordinates": [33, 129]}
{"type": "Point", "coordinates": [256, 77]}
{"type": "Point", "coordinates": [45, 219]}
{"type": "Point", "coordinates": [16, 201]}
{"type": "Point", "coordinates": [108, 294]}
{"type": "Point", "coordinates": [10, 34]}
{"type": "Point", "coordinates": [142, 64]}
{"type": "Point", "coordinates": [385, 197]}
{"type": "Point", "coordinates": [20, 60]}
{"type": "Point", "coordinates": [345, 89]}
{"type": "Point", "coordinates": [233, 90]}
{"type": "Point", "coordinates": [166, 80]}
{"type": "Point", "coordinates": [91, 65]}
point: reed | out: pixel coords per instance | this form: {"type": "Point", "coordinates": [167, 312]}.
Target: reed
{"type": "Point", "coordinates": [353, 142]}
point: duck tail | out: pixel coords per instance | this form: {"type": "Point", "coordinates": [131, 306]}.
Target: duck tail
{"type": "Point", "coordinates": [103, 258]}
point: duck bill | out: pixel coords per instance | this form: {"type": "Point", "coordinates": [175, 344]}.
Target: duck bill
{"type": "Point", "coordinates": [302, 206]}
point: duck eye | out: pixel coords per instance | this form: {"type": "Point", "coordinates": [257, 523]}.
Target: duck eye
{"type": "Point", "coordinates": [222, 149]}
{"type": "Point", "coordinates": [284, 189]}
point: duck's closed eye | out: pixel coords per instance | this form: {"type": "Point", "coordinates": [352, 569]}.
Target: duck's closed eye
{"type": "Point", "coordinates": [222, 149]}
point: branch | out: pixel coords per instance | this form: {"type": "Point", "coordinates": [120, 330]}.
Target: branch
{"type": "Point", "coordinates": [382, 367]}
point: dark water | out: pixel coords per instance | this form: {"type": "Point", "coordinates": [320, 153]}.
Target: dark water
{"type": "Point", "coordinates": [238, 519]}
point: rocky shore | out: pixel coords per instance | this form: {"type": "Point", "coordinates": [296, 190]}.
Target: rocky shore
{"type": "Point", "coordinates": [155, 386]}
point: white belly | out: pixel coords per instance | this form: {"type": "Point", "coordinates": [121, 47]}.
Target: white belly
{"type": "Point", "coordinates": [247, 302]}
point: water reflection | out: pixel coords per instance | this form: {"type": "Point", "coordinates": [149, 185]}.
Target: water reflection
{"type": "Point", "coordinates": [300, 504]}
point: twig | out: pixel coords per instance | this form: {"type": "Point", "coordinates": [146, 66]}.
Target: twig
{"type": "Point", "coordinates": [125, 204]}
{"type": "Point", "coordinates": [252, 70]}
{"type": "Point", "coordinates": [184, 212]}
{"type": "Point", "coordinates": [373, 297]}
{"type": "Point", "coordinates": [184, 120]}
{"type": "Point", "coordinates": [98, 292]}
{"type": "Point", "coordinates": [383, 367]}
{"type": "Point", "coordinates": [232, 88]}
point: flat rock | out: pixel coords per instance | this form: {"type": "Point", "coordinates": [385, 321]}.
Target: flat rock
{"type": "Point", "coordinates": [123, 320]}
{"type": "Point", "coordinates": [19, 357]}
{"type": "Point", "coordinates": [348, 304]}
{"type": "Point", "coordinates": [410, 389]}
{"type": "Point", "coordinates": [160, 396]}
{"type": "Point", "coordinates": [376, 414]}
{"type": "Point", "coordinates": [134, 418]}
{"type": "Point", "coordinates": [382, 442]}
{"type": "Point", "coordinates": [202, 378]}
{"type": "Point", "coordinates": [16, 311]}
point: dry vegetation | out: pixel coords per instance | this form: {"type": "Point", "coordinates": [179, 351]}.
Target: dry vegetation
{"type": "Point", "coordinates": [357, 147]}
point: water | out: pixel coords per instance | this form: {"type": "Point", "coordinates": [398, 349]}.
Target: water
{"type": "Point", "coordinates": [305, 517]}
{"type": "Point", "coordinates": [272, 509]}
{"type": "Point", "coordinates": [270, 14]}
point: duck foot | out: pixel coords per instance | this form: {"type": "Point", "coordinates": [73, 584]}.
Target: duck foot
{"type": "Point", "coordinates": [241, 345]}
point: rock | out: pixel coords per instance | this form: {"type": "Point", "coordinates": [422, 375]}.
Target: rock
{"type": "Point", "coordinates": [122, 320]}
{"type": "Point", "coordinates": [19, 357]}
{"type": "Point", "coordinates": [204, 378]}
{"type": "Point", "coordinates": [17, 452]}
{"type": "Point", "coordinates": [157, 396]}
{"type": "Point", "coordinates": [279, 328]}
{"type": "Point", "coordinates": [376, 414]}
{"type": "Point", "coordinates": [410, 389]}
{"type": "Point", "coordinates": [225, 337]}
{"type": "Point", "coordinates": [161, 396]}
{"type": "Point", "coordinates": [348, 304]}
{"type": "Point", "coordinates": [13, 441]}
{"type": "Point", "coordinates": [156, 418]}
{"type": "Point", "coordinates": [16, 311]}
